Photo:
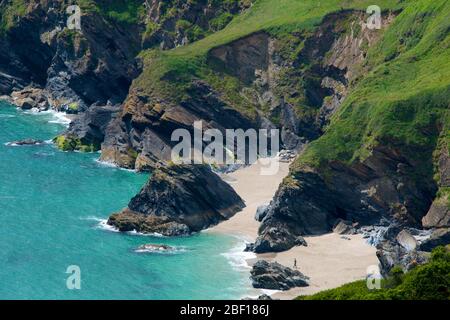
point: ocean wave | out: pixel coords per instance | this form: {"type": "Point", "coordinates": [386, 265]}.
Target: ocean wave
{"type": "Point", "coordinates": [238, 258]}
{"type": "Point", "coordinates": [102, 224]}
{"type": "Point", "coordinates": [6, 116]}
{"type": "Point", "coordinates": [58, 117]}
{"type": "Point", "coordinates": [111, 165]}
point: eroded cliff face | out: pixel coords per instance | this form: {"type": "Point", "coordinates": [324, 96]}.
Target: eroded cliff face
{"type": "Point", "coordinates": [296, 93]}
{"type": "Point", "coordinates": [75, 68]}
{"type": "Point", "coordinates": [179, 200]}
{"type": "Point", "coordinates": [393, 182]}
{"type": "Point", "coordinates": [176, 23]}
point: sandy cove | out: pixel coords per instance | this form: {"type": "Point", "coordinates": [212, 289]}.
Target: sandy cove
{"type": "Point", "coordinates": [329, 260]}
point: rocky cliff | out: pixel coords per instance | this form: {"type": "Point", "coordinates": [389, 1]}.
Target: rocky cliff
{"type": "Point", "coordinates": [74, 67]}
{"type": "Point", "coordinates": [366, 109]}
{"type": "Point", "coordinates": [179, 200]}
{"type": "Point", "coordinates": [384, 154]}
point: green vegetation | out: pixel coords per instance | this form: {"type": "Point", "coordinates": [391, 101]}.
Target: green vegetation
{"type": "Point", "coordinates": [403, 101]}
{"type": "Point", "coordinates": [168, 73]}
{"type": "Point", "coordinates": [125, 11]}
{"type": "Point", "coordinates": [10, 12]}
{"type": "Point", "coordinates": [68, 143]}
{"type": "Point", "coordinates": [427, 282]}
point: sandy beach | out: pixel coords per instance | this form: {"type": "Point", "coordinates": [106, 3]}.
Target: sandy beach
{"type": "Point", "coordinates": [329, 260]}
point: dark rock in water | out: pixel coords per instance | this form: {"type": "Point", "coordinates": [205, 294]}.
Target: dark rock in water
{"type": "Point", "coordinates": [277, 240]}
{"type": "Point", "coordinates": [249, 247]}
{"type": "Point", "coordinates": [26, 142]}
{"type": "Point", "coordinates": [179, 200]}
{"type": "Point", "coordinates": [30, 98]}
{"type": "Point", "coordinates": [261, 212]}
{"type": "Point", "coordinates": [154, 248]}
{"type": "Point", "coordinates": [274, 276]}
{"type": "Point", "coordinates": [89, 128]}
{"type": "Point", "coordinates": [439, 237]}
{"type": "Point", "coordinates": [128, 220]}
{"type": "Point", "coordinates": [391, 254]}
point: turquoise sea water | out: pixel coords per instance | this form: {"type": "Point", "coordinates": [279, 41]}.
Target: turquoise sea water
{"type": "Point", "coordinates": [51, 203]}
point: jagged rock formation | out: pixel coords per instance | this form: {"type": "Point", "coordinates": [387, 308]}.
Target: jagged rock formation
{"type": "Point", "coordinates": [87, 131]}
{"type": "Point", "coordinates": [141, 136]}
{"type": "Point", "coordinates": [179, 200]}
{"type": "Point", "coordinates": [269, 83]}
{"type": "Point", "coordinates": [177, 23]}
{"type": "Point", "coordinates": [380, 147]}
{"type": "Point", "coordinates": [375, 171]}
{"type": "Point", "coordinates": [76, 68]}
{"type": "Point", "coordinates": [274, 276]}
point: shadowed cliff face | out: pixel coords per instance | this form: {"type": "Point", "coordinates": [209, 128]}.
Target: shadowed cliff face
{"type": "Point", "coordinates": [271, 81]}
{"type": "Point", "coordinates": [179, 200]}
{"type": "Point", "coordinates": [77, 68]}
{"type": "Point", "coordinates": [173, 23]}
{"type": "Point", "coordinates": [389, 180]}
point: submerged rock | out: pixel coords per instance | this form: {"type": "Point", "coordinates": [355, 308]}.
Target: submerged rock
{"type": "Point", "coordinates": [179, 200]}
{"type": "Point", "coordinates": [154, 248]}
{"type": "Point", "coordinates": [25, 142]}
{"type": "Point", "coordinates": [87, 131]}
{"type": "Point", "coordinates": [274, 276]}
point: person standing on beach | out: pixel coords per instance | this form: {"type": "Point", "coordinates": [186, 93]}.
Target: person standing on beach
{"type": "Point", "coordinates": [295, 263]}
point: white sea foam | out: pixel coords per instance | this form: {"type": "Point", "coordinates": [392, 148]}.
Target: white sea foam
{"type": "Point", "coordinates": [58, 117]}
{"type": "Point", "coordinates": [172, 250]}
{"type": "Point", "coordinates": [102, 224]}
{"type": "Point", "coordinates": [10, 144]}
{"type": "Point", "coordinates": [238, 258]}
{"type": "Point", "coordinates": [6, 116]}
{"type": "Point", "coordinates": [111, 165]}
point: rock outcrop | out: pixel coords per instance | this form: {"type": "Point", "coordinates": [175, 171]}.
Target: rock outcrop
{"type": "Point", "coordinates": [177, 23]}
{"type": "Point", "coordinates": [75, 67]}
{"type": "Point", "coordinates": [179, 200]}
{"type": "Point", "coordinates": [87, 131]}
{"type": "Point", "coordinates": [25, 142]}
{"type": "Point", "coordinates": [274, 276]}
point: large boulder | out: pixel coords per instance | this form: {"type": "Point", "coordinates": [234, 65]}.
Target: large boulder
{"type": "Point", "coordinates": [274, 276]}
{"type": "Point", "coordinates": [277, 240]}
{"type": "Point", "coordinates": [344, 227]}
{"type": "Point", "coordinates": [179, 200]}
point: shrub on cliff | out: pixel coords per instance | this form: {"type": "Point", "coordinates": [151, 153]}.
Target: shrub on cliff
{"type": "Point", "coordinates": [430, 281]}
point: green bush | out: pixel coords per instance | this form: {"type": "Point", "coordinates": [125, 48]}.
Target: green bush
{"type": "Point", "coordinates": [430, 281]}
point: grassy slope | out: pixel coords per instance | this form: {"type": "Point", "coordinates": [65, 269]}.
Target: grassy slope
{"type": "Point", "coordinates": [405, 98]}
{"type": "Point", "coordinates": [277, 17]}
{"type": "Point", "coordinates": [428, 282]}
{"type": "Point", "coordinates": [10, 12]}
